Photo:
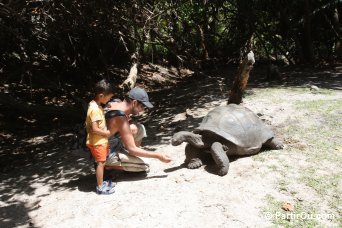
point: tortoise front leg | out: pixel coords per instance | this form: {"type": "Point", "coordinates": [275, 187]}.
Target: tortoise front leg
{"type": "Point", "coordinates": [274, 144]}
{"type": "Point", "coordinates": [220, 157]}
{"type": "Point", "coordinates": [194, 156]}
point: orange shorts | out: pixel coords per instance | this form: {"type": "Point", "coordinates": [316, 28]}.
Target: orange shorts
{"type": "Point", "coordinates": [99, 152]}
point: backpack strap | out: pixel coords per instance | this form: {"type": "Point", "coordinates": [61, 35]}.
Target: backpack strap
{"type": "Point", "coordinates": [111, 114]}
{"type": "Point", "coordinates": [114, 113]}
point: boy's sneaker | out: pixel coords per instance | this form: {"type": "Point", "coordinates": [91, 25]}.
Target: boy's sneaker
{"type": "Point", "coordinates": [106, 188]}
{"type": "Point", "coordinates": [108, 183]}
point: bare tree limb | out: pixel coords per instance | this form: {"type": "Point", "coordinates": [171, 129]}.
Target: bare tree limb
{"type": "Point", "coordinates": [131, 80]}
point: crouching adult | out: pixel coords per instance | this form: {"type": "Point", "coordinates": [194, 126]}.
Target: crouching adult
{"type": "Point", "coordinates": [126, 136]}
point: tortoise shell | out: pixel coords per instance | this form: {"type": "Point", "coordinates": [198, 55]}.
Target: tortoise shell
{"type": "Point", "coordinates": [237, 124]}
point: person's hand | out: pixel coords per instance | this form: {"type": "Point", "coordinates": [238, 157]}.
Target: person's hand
{"type": "Point", "coordinates": [164, 158]}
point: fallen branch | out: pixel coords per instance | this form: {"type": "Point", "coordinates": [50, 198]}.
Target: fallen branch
{"type": "Point", "coordinates": [129, 83]}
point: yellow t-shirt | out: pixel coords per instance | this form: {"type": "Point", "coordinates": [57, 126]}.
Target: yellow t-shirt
{"type": "Point", "coordinates": [95, 113]}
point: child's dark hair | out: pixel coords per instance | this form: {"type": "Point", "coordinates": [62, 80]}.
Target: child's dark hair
{"type": "Point", "coordinates": [103, 87]}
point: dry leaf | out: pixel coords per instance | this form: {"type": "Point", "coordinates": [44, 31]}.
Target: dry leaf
{"type": "Point", "coordinates": [287, 206]}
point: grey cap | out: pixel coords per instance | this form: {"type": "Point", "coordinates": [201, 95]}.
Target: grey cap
{"type": "Point", "coordinates": [140, 94]}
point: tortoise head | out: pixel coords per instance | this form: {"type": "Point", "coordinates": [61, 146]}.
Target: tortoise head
{"type": "Point", "coordinates": [178, 138]}
{"type": "Point", "coordinates": [186, 136]}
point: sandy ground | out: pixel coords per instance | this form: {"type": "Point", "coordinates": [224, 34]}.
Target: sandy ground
{"type": "Point", "coordinates": [59, 192]}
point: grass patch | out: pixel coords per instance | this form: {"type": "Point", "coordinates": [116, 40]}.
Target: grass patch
{"type": "Point", "coordinates": [302, 216]}
{"type": "Point", "coordinates": [318, 128]}
{"type": "Point", "coordinates": [327, 187]}
{"type": "Point", "coordinates": [320, 106]}
{"type": "Point", "coordinates": [323, 185]}
{"type": "Point", "coordinates": [325, 135]}
{"type": "Point", "coordinates": [277, 94]}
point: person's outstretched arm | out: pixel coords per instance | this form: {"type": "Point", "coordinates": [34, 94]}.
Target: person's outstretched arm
{"type": "Point", "coordinates": [128, 141]}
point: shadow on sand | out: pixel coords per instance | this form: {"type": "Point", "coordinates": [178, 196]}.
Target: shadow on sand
{"type": "Point", "coordinates": [41, 155]}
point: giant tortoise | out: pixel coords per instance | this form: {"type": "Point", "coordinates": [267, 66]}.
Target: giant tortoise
{"type": "Point", "coordinates": [225, 131]}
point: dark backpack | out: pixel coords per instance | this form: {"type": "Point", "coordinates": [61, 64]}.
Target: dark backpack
{"type": "Point", "coordinates": [80, 133]}
{"type": "Point", "coordinates": [79, 139]}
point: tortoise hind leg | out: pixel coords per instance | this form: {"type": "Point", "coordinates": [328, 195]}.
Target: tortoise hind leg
{"type": "Point", "coordinates": [194, 156]}
{"type": "Point", "coordinates": [274, 144]}
{"type": "Point", "coordinates": [220, 157]}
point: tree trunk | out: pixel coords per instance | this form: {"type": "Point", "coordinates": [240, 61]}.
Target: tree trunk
{"type": "Point", "coordinates": [307, 37]}
{"type": "Point", "coordinates": [245, 28]}
{"type": "Point", "coordinates": [337, 28]}
{"type": "Point", "coordinates": [202, 43]}
{"type": "Point", "coordinates": [154, 49]}
{"type": "Point", "coordinates": [241, 79]}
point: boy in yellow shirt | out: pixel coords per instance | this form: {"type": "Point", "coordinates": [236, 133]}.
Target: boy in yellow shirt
{"type": "Point", "coordinates": [97, 133]}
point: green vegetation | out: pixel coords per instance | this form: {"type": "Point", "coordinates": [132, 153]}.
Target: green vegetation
{"type": "Point", "coordinates": [71, 40]}
{"type": "Point", "coordinates": [313, 135]}
{"type": "Point", "coordinates": [300, 217]}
